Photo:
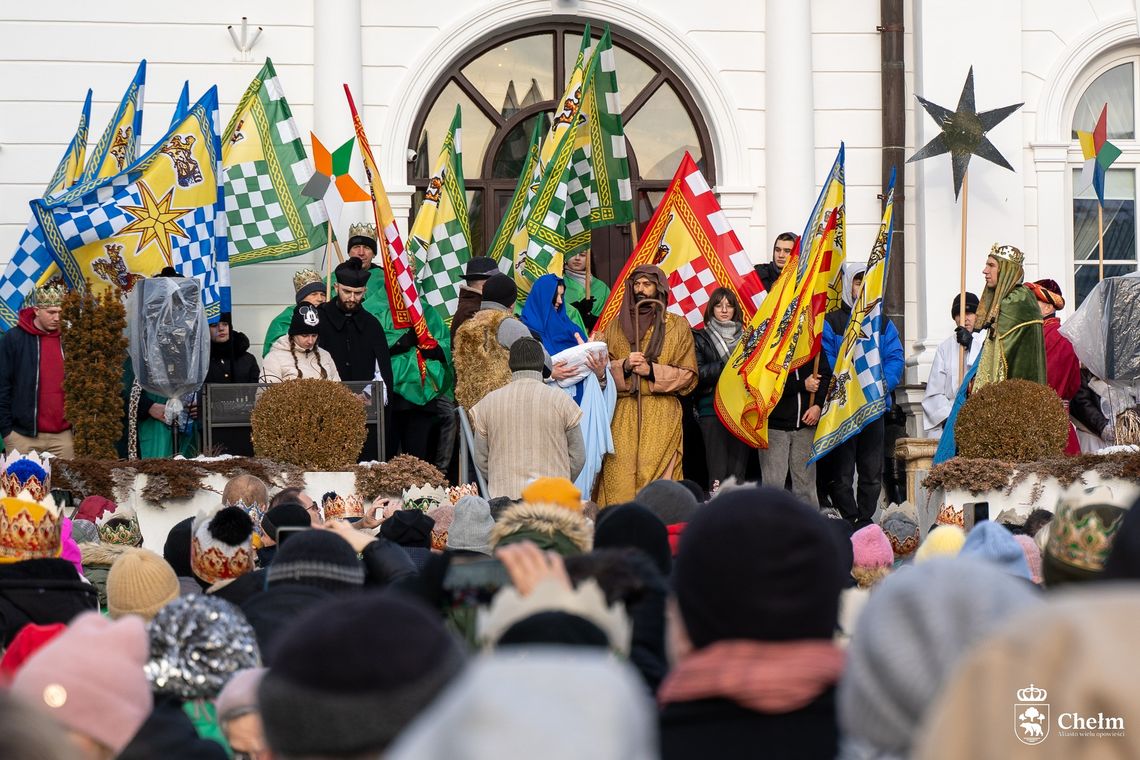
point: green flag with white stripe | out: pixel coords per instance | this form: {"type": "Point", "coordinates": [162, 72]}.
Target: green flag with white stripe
{"type": "Point", "coordinates": [439, 240]}
{"type": "Point", "coordinates": [265, 165]}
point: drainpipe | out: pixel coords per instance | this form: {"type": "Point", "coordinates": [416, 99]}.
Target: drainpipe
{"type": "Point", "coordinates": [894, 146]}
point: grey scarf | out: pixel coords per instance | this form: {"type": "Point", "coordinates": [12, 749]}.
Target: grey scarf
{"type": "Point", "coordinates": [725, 335]}
{"type": "Point", "coordinates": [578, 277]}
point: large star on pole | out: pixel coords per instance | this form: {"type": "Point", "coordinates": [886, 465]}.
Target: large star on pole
{"type": "Point", "coordinates": [155, 221]}
{"type": "Point", "coordinates": [964, 132]}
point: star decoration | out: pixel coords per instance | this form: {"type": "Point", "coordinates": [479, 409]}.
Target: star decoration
{"type": "Point", "coordinates": [964, 132]}
{"type": "Point", "coordinates": [1099, 154]}
{"type": "Point", "coordinates": [155, 221]}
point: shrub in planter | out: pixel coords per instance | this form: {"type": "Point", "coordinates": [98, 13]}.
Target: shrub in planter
{"type": "Point", "coordinates": [1014, 421]}
{"type": "Point", "coordinates": [317, 425]}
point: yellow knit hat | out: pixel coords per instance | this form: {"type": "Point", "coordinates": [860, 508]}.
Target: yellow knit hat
{"type": "Point", "coordinates": [558, 491]}
{"type": "Point", "coordinates": [140, 583]}
{"type": "Point", "coordinates": [943, 541]}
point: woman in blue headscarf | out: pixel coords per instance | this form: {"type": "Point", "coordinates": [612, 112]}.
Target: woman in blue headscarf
{"type": "Point", "coordinates": [545, 314]}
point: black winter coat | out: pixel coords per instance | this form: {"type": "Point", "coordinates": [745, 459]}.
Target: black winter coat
{"type": "Point", "coordinates": [1085, 406]}
{"type": "Point", "coordinates": [19, 382]}
{"type": "Point", "coordinates": [231, 362]}
{"type": "Point", "coordinates": [789, 410]}
{"type": "Point", "coordinates": [356, 342]}
{"type": "Point", "coordinates": [41, 591]}
{"type": "Point", "coordinates": [768, 274]}
{"type": "Point", "coordinates": [168, 733]}
{"type": "Point", "coordinates": [271, 611]}
{"type": "Point", "coordinates": [723, 729]}
{"type": "Point", "coordinates": [709, 367]}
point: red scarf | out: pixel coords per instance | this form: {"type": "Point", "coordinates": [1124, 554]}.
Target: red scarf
{"type": "Point", "coordinates": [764, 676]}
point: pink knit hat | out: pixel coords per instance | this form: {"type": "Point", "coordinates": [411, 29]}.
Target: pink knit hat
{"type": "Point", "coordinates": [872, 548]}
{"type": "Point", "coordinates": [1032, 556]}
{"type": "Point", "coordinates": [90, 679]}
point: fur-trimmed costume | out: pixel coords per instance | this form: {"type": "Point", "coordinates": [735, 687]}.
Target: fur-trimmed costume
{"type": "Point", "coordinates": [480, 359]}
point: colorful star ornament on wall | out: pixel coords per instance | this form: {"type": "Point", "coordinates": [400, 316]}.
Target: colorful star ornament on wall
{"type": "Point", "coordinates": [331, 181]}
{"type": "Point", "coordinates": [1099, 154]}
{"type": "Point", "coordinates": [964, 132]}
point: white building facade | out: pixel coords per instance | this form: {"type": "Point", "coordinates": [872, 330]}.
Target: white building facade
{"type": "Point", "coordinates": [769, 89]}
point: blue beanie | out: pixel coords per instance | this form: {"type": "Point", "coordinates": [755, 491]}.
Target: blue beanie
{"type": "Point", "coordinates": [993, 543]}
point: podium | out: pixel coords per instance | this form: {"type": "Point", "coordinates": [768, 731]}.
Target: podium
{"type": "Point", "coordinates": [226, 409]}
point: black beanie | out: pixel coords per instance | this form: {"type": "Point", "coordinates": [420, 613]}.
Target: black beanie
{"type": "Point", "coordinates": [317, 558]}
{"type": "Point", "coordinates": [971, 305]}
{"type": "Point", "coordinates": [342, 704]}
{"type": "Point", "coordinates": [526, 354]}
{"type": "Point", "coordinates": [759, 564]}
{"type": "Point", "coordinates": [364, 240]}
{"type": "Point", "coordinates": [176, 550]}
{"type": "Point", "coordinates": [408, 527]}
{"type": "Point", "coordinates": [350, 274]}
{"type": "Point", "coordinates": [289, 514]}
{"type": "Point", "coordinates": [306, 320]}
{"type": "Point", "coordinates": [632, 525]}
{"type": "Point", "coordinates": [502, 290]}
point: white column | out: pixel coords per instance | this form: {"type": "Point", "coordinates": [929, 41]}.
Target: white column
{"type": "Point", "coordinates": [789, 118]}
{"type": "Point", "coordinates": [336, 62]}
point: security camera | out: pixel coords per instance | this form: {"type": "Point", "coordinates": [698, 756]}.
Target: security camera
{"type": "Point", "coordinates": [411, 155]}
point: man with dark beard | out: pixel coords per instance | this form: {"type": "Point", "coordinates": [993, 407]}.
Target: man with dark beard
{"type": "Point", "coordinates": [653, 363]}
{"type": "Point", "coordinates": [354, 337]}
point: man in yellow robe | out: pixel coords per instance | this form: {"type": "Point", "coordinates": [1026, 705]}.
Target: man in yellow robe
{"type": "Point", "coordinates": [653, 363]}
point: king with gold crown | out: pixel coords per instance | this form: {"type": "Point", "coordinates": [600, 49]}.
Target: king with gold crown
{"type": "Point", "coordinates": [1015, 341]}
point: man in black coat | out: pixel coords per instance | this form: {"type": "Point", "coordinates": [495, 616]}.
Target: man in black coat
{"type": "Point", "coordinates": [353, 337]}
{"type": "Point", "coordinates": [230, 359]}
{"type": "Point", "coordinates": [781, 250]}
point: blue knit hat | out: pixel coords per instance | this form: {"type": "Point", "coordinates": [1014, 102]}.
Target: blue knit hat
{"type": "Point", "coordinates": [993, 543]}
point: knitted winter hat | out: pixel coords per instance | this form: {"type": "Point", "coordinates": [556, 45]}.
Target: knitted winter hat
{"type": "Point", "coordinates": [872, 548]}
{"type": "Point", "coordinates": [501, 289]}
{"type": "Point", "coordinates": [550, 527]}
{"type": "Point", "coordinates": [222, 545]}
{"type": "Point", "coordinates": [27, 642]}
{"type": "Point", "coordinates": [306, 320]}
{"type": "Point", "coordinates": [669, 500]}
{"type": "Point", "coordinates": [915, 628]}
{"type": "Point", "coordinates": [471, 526]}
{"type": "Point", "coordinates": [993, 543]}
{"type": "Point", "coordinates": [943, 541]}
{"type": "Point", "coordinates": [288, 515]}
{"type": "Point", "coordinates": [558, 491]}
{"type": "Point", "coordinates": [1032, 556]}
{"type": "Point", "coordinates": [140, 583]}
{"type": "Point", "coordinates": [408, 527]}
{"type": "Point", "coordinates": [197, 643]}
{"type": "Point", "coordinates": [84, 532]}
{"type": "Point", "coordinates": [347, 705]}
{"type": "Point", "coordinates": [351, 274]}
{"type": "Point", "coordinates": [635, 526]}
{"type": "Point", "coordinates": [317, 558]}
{"type": "Point", "coordinates": [305, 283]}
{"type": "Point", "coordinates": [526, 355]}
{"type": "Point", "coordinates": [902, 532]}
{"type": "Point", "coordinates": [789, 569]}
{"type": "Point", "coordinates": [90, 679]}
{"type": "Point", "coordinates": [239, 696]}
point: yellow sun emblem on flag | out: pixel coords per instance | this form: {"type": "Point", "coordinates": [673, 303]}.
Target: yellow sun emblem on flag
{"type": "Point", "coordinates": [155, 221]}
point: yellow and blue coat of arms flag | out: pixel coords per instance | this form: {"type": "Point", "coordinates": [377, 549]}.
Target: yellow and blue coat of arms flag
{"type": "Point", "coordinates": [166, 209]}
{"type": "Point", "coordinates": [858, 394]}
{"type": "Point", "coordinates": [119, 144]}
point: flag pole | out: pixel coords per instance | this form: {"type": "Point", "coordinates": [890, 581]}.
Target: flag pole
{"type": "Point", "coordinates": [962, 294]}
{"type": "Point", "coordinates": [1100, 239]}
{"type": "Point", "coordinates": [589, 277]}
{"type": "Point", "coordinates": [328, 260]}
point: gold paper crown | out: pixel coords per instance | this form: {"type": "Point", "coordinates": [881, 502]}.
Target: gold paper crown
{"type": "Point", "coordinates": [951, 515]}
{"type": "Point", "coordinates": [125, 531]}
{"type": "Point", "coordinates": [49, 295]}
{"type": "Point", "coordinates": [424, 497]}
{"type": "Point", "coordinates": [304, 277]}
{"type": "Point", "coordinates": [211, 559]}
{"type": "Point", "coordinates": [363, 229]}
{"type": "Point", "coordinates": [338, 507]}
{"type": "Point", "coordinates": [29, 528]}
{"type": "Point", "coordinates": [1009, 253]}
{"type": "Point", "coordinates": [29, 472]}
{"type": "Point", "coordinates": [1082, 537]}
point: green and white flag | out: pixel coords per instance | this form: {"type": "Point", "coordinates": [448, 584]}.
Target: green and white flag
{"type": "Point", "coordinates": [502, 250]}
{"type": "Point", "coordinates": [586, 184]}
{"type": "Point", "coordinates": [264, 168]}
{"type": "Point", "coordinates": [439, 240]}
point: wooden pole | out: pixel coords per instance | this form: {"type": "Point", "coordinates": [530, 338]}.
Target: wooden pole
{"type": "Point", "coordinates": [962, 294]}
{"type": "Point", "coordinates": [339, 252]}
{"type": "Point", "coordinates": [328, 260]}
{"type": "Point", "coordinates": [589, 276]}
{"type": "Point", "coordinates": [637, 391]}
{"type": "Point", "coordinates": [1100, 240]}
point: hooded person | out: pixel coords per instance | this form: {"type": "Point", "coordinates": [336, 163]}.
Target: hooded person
{"type": "Point", "coordinates": [1072, 654]}
{"type": "Point", "coordinates": [89, 679]}
{"type": "Point", "coordinates": [1062, 367]}
{"type": "Point", "coordinates": [755, 669]}
{"type": "Point", "coordinates": [911, 638]}
{"type": "Point", "coordinates": [230, 359]}
{"type": "Point", "coordinates": [308, 288]}
{"type": "Point", "coordinates": [296, 355]}
{"type": "Point", "coordinates": [197, 643]}
{"type": "Point", "coordinates": [349, 706]}
{"type": "Point", "coordinates": [653, 363]}
{"type": "Point", "coordinates": [550, 527]}
{"type": "Point", "coordinates": [313, 566]}
{"type": "Point", "coordinates": [1008, 311]}
{"type": "Point", "coordinates": [544, 313]}
{"type": "Point", "coordinates": [510, 706]}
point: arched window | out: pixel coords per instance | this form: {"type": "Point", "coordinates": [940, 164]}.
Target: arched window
{"type": "Point", "coordinates": [514, 78]}
{"type": "Point", "coordinates": [1114, 82]}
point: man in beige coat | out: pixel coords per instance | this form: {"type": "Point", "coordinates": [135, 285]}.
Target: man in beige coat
{"type": "Point", "coordinates": [526, 429]}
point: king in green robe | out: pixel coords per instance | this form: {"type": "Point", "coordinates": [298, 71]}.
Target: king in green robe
{"type": "Point", "coordinates": [1015, 342]}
